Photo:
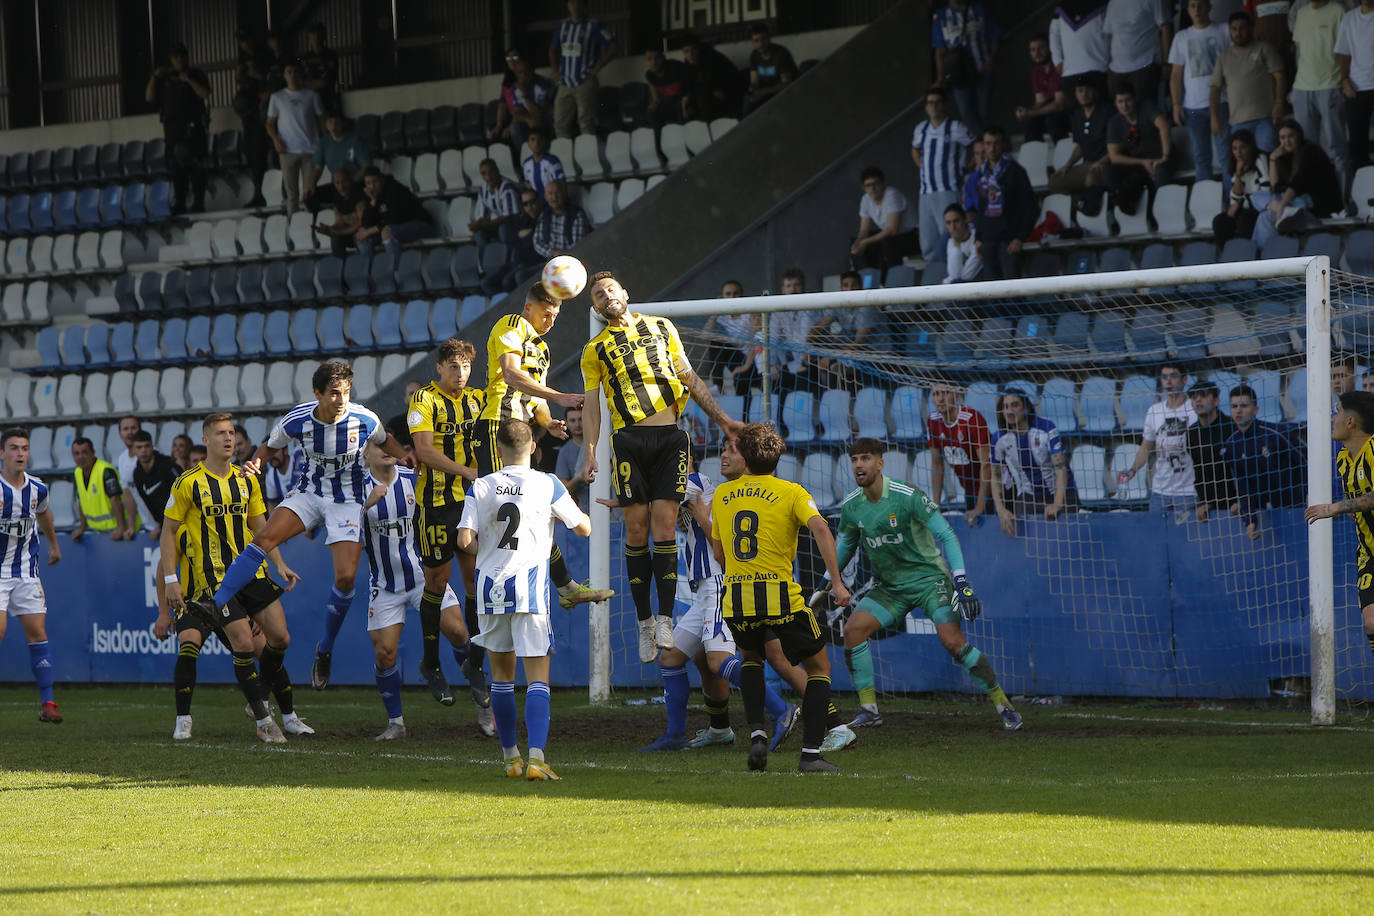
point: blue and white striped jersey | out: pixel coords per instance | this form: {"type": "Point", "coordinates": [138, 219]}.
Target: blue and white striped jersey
{"type": "Point", "coordinates": [942, 152]}
{"type": "Point", "coordinates": [539, 175]}
{"type": "Point", "coordinates": [389, 535]}
{"type": "Point", "coordinates": [19, 511]}
{"type": "Point", "coordinates": [503, 200]}
{"type": "Point", "coordinates": [513, 511]}
{"type": "Point", "coordinates": [580, 45]}
{"type": "Point", "coordinates": [277, 485]}
{"type": "Point", "coordinates": [333, 466]}
{"type": "Point", "coordinates": [696, 543]}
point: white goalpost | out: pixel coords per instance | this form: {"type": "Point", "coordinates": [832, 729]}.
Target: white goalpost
{"type": "Point", "coordinates": [1240, 336]}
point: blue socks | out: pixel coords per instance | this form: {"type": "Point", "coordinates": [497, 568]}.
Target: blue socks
{"type": "Point", "coordinates": [729, 672]}
{"type": "Point", "coordinates": [536, 717]}
{"type": "Point", "coordinates": [40, 662]}
{"type": "Point", "coordinates": [675, 692]}
{"type": "Point", "coordinates": [335, 610]}
{"type": "Point", "coordinates": [460, 655]}
{"type": "Point", "coordinates": [240, 572]}
{"type": "Point", "coordinates": [503, 711]}
{"type": "Point", "coordinates": [389, 686]}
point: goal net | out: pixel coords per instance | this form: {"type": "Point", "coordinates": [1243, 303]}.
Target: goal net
{"type": "Point", "coordinates": [1123, 587]}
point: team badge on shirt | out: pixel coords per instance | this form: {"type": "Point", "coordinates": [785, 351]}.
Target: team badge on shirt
{"type": "Point", "coordinates": [892, 519]}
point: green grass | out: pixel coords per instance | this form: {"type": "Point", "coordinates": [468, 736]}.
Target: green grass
{"type": "Point", "coordinates": [1090, 808]}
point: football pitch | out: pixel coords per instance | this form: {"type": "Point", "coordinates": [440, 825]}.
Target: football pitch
{"type": "Point", "coordinates": [1091, 808]}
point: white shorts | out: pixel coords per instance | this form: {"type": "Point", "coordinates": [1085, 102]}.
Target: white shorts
{"type": "Point", "coordinates": [527, 635]}
{"type": "Point", "coordinates": [342, 521]}
{"type": "Point", "coordinates": [22, 596]}
{"type": "Point", "coordinates": [702, 627]}
{"type": "Point", "coordinates": [386, 609]}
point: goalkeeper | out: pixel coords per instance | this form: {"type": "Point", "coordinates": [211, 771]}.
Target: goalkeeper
{"type": "Point", "coordinates": [898, 527]}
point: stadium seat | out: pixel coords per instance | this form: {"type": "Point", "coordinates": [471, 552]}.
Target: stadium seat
{"type": "Point", "coordinates": [36, 302]}
{"type": "Point", "coordinates": [387, 326]}
{"type": "Point", "coordinates": [69, 402]}
{"type": "Point", "coordinates": [391, 134]}
{"type": "Point", "coordinates": [1359, 252]}
{"type": "Point", "coordinates": [1061, 205]}
{"type": "Point", "coordinates": [1088, 464]}
{"type": "Point", "coordinates": [301, 280]}
{"type": "Point", "coordinates": [450, 171]}
{"type": "Point", "coordinates": [470, 122]}
{"type": "Point", "coordinates": [271, 188]}
{"type": "Point", "coordinates": [629, 191]}
{"type": "Point", "coordinates": [1204, 203]}
{"type": "Point", "coordinates": [45, 396]}
{"type": "Point", "coordinates": [159, 201]}
{"type": "Point", "coordinates": [224, 286]}
{"type": "Point", "coordinates": [1138, 392]}
{"type": "Point", "coordinates": [443, 127]}
{"type": "Point", "coordinates": [618, 160]}
{"type": "Point", "coordinates": [1362, 192]}
{"type": "Point", "coordinates": [672, 143]}
{"type": "Point", "coordinates": [97, 344]}
{"type": "Point", "coordinates": [276, 333]}
{"type": "Point", "coordinates": [331, 330]}
{"type": "Point", "coordinates": [1071, 332]}
{"type": "Point", "coordinates": [1136, 224]}
{"type": "Point", "coordinates": [329, 278]}
{"type": "Point", "coordinates": [817, 476]}
{"type": "Point", "coordinates": [1098, 226]}
{"type": "Point", "coordinates": [471, 309]}
{"type": "Point", "coordinates": [64, 210]}
{"type": "Point", "coordinates": [250, 286]}
{"type": "Point", "coordinates": [1058, 404]}
{"type": "Point", "coordinates": [49, 346]}
{"type": "Point", "coordinates": [599, 202]}
{"type": "Point", "coordinates": [1230, 334]}
{"type": "Point", "coordinates": [1268, 388]}
{"type": "Point", "coordinates": [797, 412]}
{"type": "Point", "coordinates": [249, 336]}
{"type": "Point", "coordinates": [1280, 246]}
{"type": "Point", "coordinates": [1148, 341]}
{"type": "Point", "coordinates": [359, 329]}
{"type": "Point", "coordinates": [416, 128]}
{"type": "Point", "coordinates": [402, 169]}
{"type": "Point", "coordinates": [722, 126]}
{"type": "Point", "coordinates": [17, 213]}
{"type": "Point", "coordinates": [696, 135]}
{"type": "Point", "coordinates": [435, 271]}
{"type": "Point", "coordinates": [897, 465]}
{"type": "Point", "coordinates": [200, 388]}
{"type": "Point", "coordinates": [459, 215]}
{"type": "Point", "coordinates": [1136, 489]}
{"type": "Point", "coordinates": [224, 238]}
{"type": "Point", "coordinates": [587, 155]}
{"type": "Point", "coordinates": [112, 249]}
{"type": "Point", "coordinates": [834, 416]}
{"type": "Point", "coordinates": [172, 388]}
{"type": "Point", "coordinates": [275, 284]}
{"type": "Point", "coordinates": [111, 207]}
{"type": "Point", "coordinates": [472, 161]}
{"type": "Point", "coordinates": [415, 325]}
{"type": "Point", "coordinates": [173, 347]}
{"type": "Point", "coordinates": [381, 275]}
{"type": "Point", "coordinates": [443, 319]}
{"type": "Point", "coordinates": [1171, 210]}
{"type": "Point", "coordinates": [1188, 332]}
{"type": "Point", "coordinates": [1097, 404]}
{"type": "Point", "coordinates": [253, 385]}
{"type": "Point", "coordinates": [95, 393]}
{"type": "Point", "coordinates": [1034, 157]}
{"type": "Point", "coordinates": [304, 340]}
{"type": "Point", "coordinates": [994, 344]}
{"type": "Point", "coordinates": [40, 254]}
{"type": "Point", "coordinates": [464, 268]}
{"type": "Point", "coordinates": [1062, 153]}
{"type": "Point", "coordinates": [870, 413]}
{"type": "Point", "coordinates": [280, 384]}
{"type": "Point", "coordinates": [224, 336]}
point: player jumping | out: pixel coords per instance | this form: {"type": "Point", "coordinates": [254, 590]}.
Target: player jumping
{"type": "Point", "coordinates": [397, 580]}
{"type": "Point", "coordinates": [514, 509]}
{"type": "Point", "coordinates": [897, 526]}
{"type": "Point", "coordinates": [24, 512]}
{"type": "Point", "coordinates": [640, 362]}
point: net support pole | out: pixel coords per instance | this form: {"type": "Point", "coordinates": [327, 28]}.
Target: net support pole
{"type": "Point", "coordinates": [1321, 572]}
{"type": "Point", "coordinates": [599, 553]}
{"type": "Point", "coordinates": [764, 367]}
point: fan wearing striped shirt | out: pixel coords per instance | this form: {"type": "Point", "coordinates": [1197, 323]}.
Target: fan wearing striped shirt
{"type": "Point", "coordinates": [23, 513]}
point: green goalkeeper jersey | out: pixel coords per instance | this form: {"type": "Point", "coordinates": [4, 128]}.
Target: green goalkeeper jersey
{"type": "Point", "coordinates": [901, 533]}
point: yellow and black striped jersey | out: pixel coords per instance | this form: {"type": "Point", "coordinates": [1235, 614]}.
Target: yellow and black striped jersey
{"type": "Point", "coordinates": [1357, 477]}
{"type": "Point", "coordinates": [214, 513]}
{"type": "Point", "coordinates": [513, 334]}
{"type": "Point", "coordinates": [640, 366]}
{"type": "Point", "coordinates": [450, 419]}
{"type": "Point", "coordinates": [756, 519]}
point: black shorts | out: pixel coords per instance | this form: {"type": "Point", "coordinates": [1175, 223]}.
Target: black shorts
{"type": "Point", "coordinates": [251, 600]}
{"type": "Point", "coordinates": [1364, 579]}
{"type": "Point", "coordinates": [438, 533]}
{"type": "Point", "coordinates": [650, 464]}
{"type": "Point", "coordinates": [799, 635]}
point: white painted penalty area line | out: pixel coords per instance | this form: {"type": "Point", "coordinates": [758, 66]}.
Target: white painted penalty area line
{"type": "Point", "coordinates": [1307, 726]}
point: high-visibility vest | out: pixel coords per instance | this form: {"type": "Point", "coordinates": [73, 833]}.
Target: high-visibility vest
{"type": "Point", "coordinates": [95, 505]}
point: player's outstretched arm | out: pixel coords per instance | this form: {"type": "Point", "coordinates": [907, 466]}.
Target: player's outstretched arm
{"type": "Point", "coordinates": [45, 525]}
{"type": "Point", "coordinates": [253, 466]}
{"type": "Point", "coordinates": [591, 433]}
{"type": "Point", "coordinates": [521, 381]}
{"type": "Point", "coordinates": [395, 449]}
{"type": "Point", "coordinates": [1363, 503]}
{"type": "Point", "coordinates": [556, 428]}
{"type": "Point", "coordinates": [702, 395]}
{"type": "Point", "coordinates": [825, 543]}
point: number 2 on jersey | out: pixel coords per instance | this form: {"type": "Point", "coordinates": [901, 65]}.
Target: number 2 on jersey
{"type": "Point", "coordinates": [510, 514]}
{"type": "Point", "coordinates": [746, 543]}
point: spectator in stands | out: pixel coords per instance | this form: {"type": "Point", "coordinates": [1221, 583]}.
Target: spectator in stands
{"type": "Point", "coordinates": [243, 444]}
{"type": "Point", "coordinates": [153, 477]}
{"type": "Point", "coordinates": [250, 103]}
{"type": "Point", "coordinates": [887, 224]}
{"type": "Point", "coordinates": [340, 149]}
{"type": "Point", "coordinates": [1085, 173]}
{"type": "Point", "coordinates": [532, 101]}
{"type": "Point", "coordinates": [579, 50]}
{"type": "Point", "coordinates": [1139, 33]}
{"type": "Point", "coordinates": [963, 262]}
{"type": "Point", "coordinates": [1138, 145]}
{"type": "Point", "coordinates": [1343, 375]}
{"type": "Point", "coordinates": [1266, 465]}
{"type": "Point", "coordinates": [498, 206]}
{"type": "Point", "coordinates": [1035, 468]}
{"type": "Point", "coordinates": [965, 35]}
{"type": "Point", "coordinates": [346, 197]}
{"type": "Point", "coordinates": [1193, 57]}
{"type": "Point", "coordinates": [506, 109]}
{"type": "Point", "coordinates": [1250, 73]}
{"type": "Point", "coordinates": [938, 147]}
{"type": "Point", "coordinates": [850, 326]}
{"type": "Point", "coordinates": [771, 68]}
{"type": "Point", "coordinates": [714, 87]}
{"type": "Point", "coordinates": [1212, 483]}
{"type": "Point", "coordinates": [733, 361]}
{"type": "Point", "coordinates": [1355, 54]}
{"type": "Point", "coordinates": [1303, 186]}
{"type": "Point", "coordinates": [976, 158]}
{"type": "Point", "coordinates": [789, 334]}
{"type": "Point", "coordinates": [293, 120]}
{"type": "Point", "coordinates": [1249, 173]}
{"type": "Point", "coordinates": [1046, 115]}
{"type": "Point", "coordinates": [541, 167]}
{"type": "Point", "coordinates": [197, 453]}
{"type": "Point", "coordinates": [668, 81]}
{"type": "Point", "coordinates": [181, 452]}
{"type": "Point", "coordinates": [524, 262]}
{"type": "Point", "coordinates": [958, 435]}
{"type": "Point", "coordinates": [320, 67]}
{"type": "Point", "coordinates": [568, 464]}
{"type": "Point", "coordinates": [561, 226]}
{"type": "Point", "coordinates": [1316, 91]}
{"type": "Point", "coordinates": [1004, 206]}
{"type": "Point", "coordinates": [1166, 436]}
{"type": "Point", "coordinates": [180, 93]}
{"type": "Point", "coordinates": [1078, 43]}
{"type": "Point", "coordinates": [99, 494]}
{"type": "Point", "coordinates": [391, 213]}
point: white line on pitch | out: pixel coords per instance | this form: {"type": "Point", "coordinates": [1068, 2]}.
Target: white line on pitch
{"type": "Point", "coordinates": [1195, 722]}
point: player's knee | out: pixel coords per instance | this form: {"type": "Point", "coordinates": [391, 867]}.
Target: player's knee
{"type": "Point", "coordinates": [954, 644]}
{"type": "Point", "coordinates": [386, 656]}
{"type": "Point", "coordinates": [344, 582]}
{"type": "Point", "coordinates": [672, 657]}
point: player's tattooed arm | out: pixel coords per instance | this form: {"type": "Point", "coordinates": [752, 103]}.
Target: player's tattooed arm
{"type": "Point", "coordinates": [702, 395]}
{"type": "Point", "coordinates": [1363, 503]}
{"type": "Point", "coordinates": [1061, 485]}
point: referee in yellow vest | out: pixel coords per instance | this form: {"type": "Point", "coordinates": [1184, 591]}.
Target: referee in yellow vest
{"type": "Point", "coordinates": [98, 493]}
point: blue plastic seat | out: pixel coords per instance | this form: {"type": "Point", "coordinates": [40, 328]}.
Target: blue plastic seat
{"type": "Point", "coordinates": [174, 290]}
{"type": "Point", "coordinates": [17, 170]}
{"type": "Point", "coordinates": [331, 330]}
{"type": "Point", "coordinates": [4, 205]}
{"type": "Point", "coordinates": [174, 345]}
{"type": "Point", "coordinates": [329, 278]}
{"type": "Point", "coordinates": [122, 344]}
{"type": "Point", "coordinates": [473, 307]}
{"type": "Point", "coordinates": [135, 204]}
{"type": "Point", "coordinates": [88, 163]}
{"type": "Point", "coordinates": [198, 342]}
{"type": "Point", "coordinates": [443, 319]}
{"type": "Point", "coordinates": [355, 277]}
{"type": "Point", "coordinates": [224, 336]}
{"type": "Point", "coordinates": [159, 201]}
{"type": "Point", "coordinates": [382, 275]}
{"type": "Point", "coordinates": [17, 213]}
{"type": "Point", "coordinates": [250, 339]}
{"type": "Point", "coordinates": [198, 289]}
{"type": "Point", "coordinates": [108, 162]}
{"type": "Point", "coordinates": [387, 321]}
{"type": "Point", "coordinates": [150, 292]}
{"type": "Point", "coordinates": [132, 161]}
{"type": "Point", "coordinates": [436, 270]}
{"type": "Point", "coordinates": [276, 333]}
{"type": "Point", "coordinates": [74, 346]}
{"type": "Point", "coordinates": [40, 168]}
{"type": "Point", "coordinates": [1327, 243]}
{"type": "Point", "coordinates": [464, 268]}
{"type": "Point", "coordinates": [124, 293]}
{"type": "Point", "coordinates": [146, 341]}
{"type": "Point", "coordinates": [1116, 259]}
{"type": "Point", "coordinates": [40, 212]}
{"type": "Point", "coordinates": [155, 156]}
{"type": "Point", "coordinates": [224, 286]}
{"type": "Point", "coordinates": [301, 280]}
{"type": "Point", "coordinates": [359, 329]}
{"type": "Point", "coordinates": [1156, 256]}
{"type": "Point", "coordinates": [50, 348]}
{"type": "Point", "coordinates": [408, 276]}
{"type": "Point", "coordinates": [64, 211]}
{"type": "Point", "coordinates": [87, 208]}
{"type": "Point", "coordinates": [1359, 251]}
{"type": "Point", "coordinates": [98, 345]}
{"type": "Point", "coordinates": [415, 324]}
{"type": "Point", "coordinates": [274, 283]}
{"type": "Point", "coordinates": [250, 285]}
{"type": "Point", "coordinates": [112, 207]}
{"type": "Point", "coordinates": [303, 336]}
{"type": "Point", "coordinates": [494, 258]}
{"type": "Point", "coordinates": [64, 165]}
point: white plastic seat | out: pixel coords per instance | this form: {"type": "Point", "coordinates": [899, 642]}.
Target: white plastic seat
{"type": "Point", "coordinates": [300, 234]}
{"type": "Point", "coordinates": [112, 249]}
{"type": "Point", "coordinates": [64, 253]}
{"type": "Point", "coordinates": [1137, 487]}
{"type": "Point", "coordinates": [1138, 392]}
{"type": "Point", "coordinates": [644, 150]}
{"type": "Point", "coordinates": [274, 230]}
{"type": "Point", "coordinates": [1204, 203]}
{"type": "Point", "coordinates": [437, 208]}
{"type": "Point", "coordinates": [1171, 209]}
{"type": "Point", "coordinates": [364, 377]}
{"type": "Point", "coordinates": [697, 136]}
{"type": "Point", "coordinates": [788, 468]}
{"type": "Point", "coordinates": [898, 465]}
{"type": "Point", "coordinates": [630, 190]}
{"type": "Point", "coordinates": [672, 144]}
{"type": "Point", "coordinates": [618, 154]}
{"type": "Point", "coordinates": [249, 236]}
{"type": "Point", "coordinates": [834, 415]}
{"type": "Point", "coordinates": [1034, 156]}
{"type": "Point", "coordinates": [146, 382]}
{"type": "Point", "coordinates": [69, 396]}
{"type": "Point", "coordinates": [41, 456]}
{"type": "Point", "coordinates": [62, 503]}
{"type": "Point", "coordinates": [451, 171]}
{"type": "Point", "coordinates": [36, 301]}
{"type": "Point", "coordinates": [19, 397]}
{"type": "Point", "coordinates": [1062, 153]}
{"type": "Point", "coordinates": [114, 445]}
{"type": "Point", "coordinates": [225, 239]}
{"type": "Point", "coordinates": [40, 254]}
{"type": "Point", "coordinates": [201, 238]}
{"type": "Point", "coordinates": [722, 126]}
{"type": "Point", "coordinates": [1267, 385]}
{"type": "Point", "coordinates": [1231, 334]}
{"type": "Point", "coordinates": [17, 256]}
{"type": "Point", "coordinates": [472, 161]}
{"type": "Point", "coordinates": [1088, 463]}
{"type": "Point", "coordinates": [587, 155]}
{"type": "Point", "coordinates": [1097, 404]}
{"type": "Point", "coordinates": [1362, 191]}
{"type": "Point", "coordinates": [95, 393]}
{"type": "Point", "coordinates": [562, 147]}
{"type": "Point", "coordinates": [817, 472]}
{"type": "Point", "coordinates": [200, 388]}
{"type": "Point", "coordinates": [599, 202]}
{"type": "Point", "coordinates": [402, 168]}
{"type": "Point", "coordinates": [301, 382]}
{"type": "Point", "coordinates": [797, 412]}
{"type": "Point", "coordinates": [282, 392]}
{"type": "Point", "coordinates": [1057, 404]}
{"type": "Point", "coordinates": [252, 389]}
{"type": "Point", "coordinates": [257, 428]}
{"type": "Point", "coordinates": [870, 413]}
{"type": "Point", "coordinates": [271, 188]}
{"type": "Point", "coordinates": [173, 388]}
{"type": "Point", "coordinates": [12, 303]}
{"type": "Point", "coordinates": [390, 369]}
{"type": "Point", "coordinates": [88, 251]}
{"type": "Point", "coordinates": [1128, 224]}
{"type": "Point", "coordinates": [121, 392]}
{"type": "Point", "coordinates": [982, 397]}
{"type": "Point", "coordinates": [1061, 205]}
{"type": "Point", "coordinates": [425, 176]}
{"type": "Point", "coordinates": [459, 215]}
{"type": "Point", "coordinates": [224, 388]}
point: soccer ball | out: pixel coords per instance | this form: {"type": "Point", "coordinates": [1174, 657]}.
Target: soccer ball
{"type": "Point", "coordinates": [564, 277]}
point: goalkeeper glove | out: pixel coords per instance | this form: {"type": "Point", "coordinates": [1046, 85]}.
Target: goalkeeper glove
{"type": "Point", "coordinates": [819, 601]}
{"type": "Point", "coordinates": [964, 601]}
